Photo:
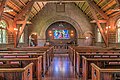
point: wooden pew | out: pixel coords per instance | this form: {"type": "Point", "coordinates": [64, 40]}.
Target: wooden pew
{"type": "Point", "coordinates": [74, 49]}
{"type": "Point", "coordinates": [104, 73]}
{"type": "Point", "coordinates": [78, 60]}
{"type": "Point", "coordinates": [18, 73]}
{"type": "Point", "coordinates": [76, 55]}
{"type": "Point", "coordinates": [48, 50]}
{"type": "Point", "coordinates": [27, 55]}
{"type": "Point", "coordinates": [37, 66]}
{"type": "Point", "coordinates": [86, 70]}
{"type": "Point", "coordinates": [46, 57]}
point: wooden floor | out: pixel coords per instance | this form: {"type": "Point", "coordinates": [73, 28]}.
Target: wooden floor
{"type": "Point", "coordinates": [60, 69]}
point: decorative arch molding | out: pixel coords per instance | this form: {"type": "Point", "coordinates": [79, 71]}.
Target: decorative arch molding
{"type": "Point", "coordinates": [57, 18]}
{"type": "Point", "coordinates": [88, 32]}
{"type": "Point", "coordinates": [113, 21]}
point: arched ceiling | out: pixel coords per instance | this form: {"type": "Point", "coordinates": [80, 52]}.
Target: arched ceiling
{"type": "Point", "coordinates": [106, 6]}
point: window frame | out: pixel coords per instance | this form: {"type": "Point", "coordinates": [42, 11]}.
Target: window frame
{"type": "Point", "coordinates": [99, 36]}
{"type": "Point", "coordinates": [4, 30]}
{"type": "Point", "coordinates": [117, 33]}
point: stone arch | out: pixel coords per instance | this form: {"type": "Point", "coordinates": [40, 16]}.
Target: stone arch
{"type": "Point", "coordinates": [61, 18]}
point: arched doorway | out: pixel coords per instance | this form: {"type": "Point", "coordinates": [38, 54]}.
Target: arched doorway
{"type": "Point", "coordinates": [61, 33]}
{"type": "Point", "coordinates": [33, 39]}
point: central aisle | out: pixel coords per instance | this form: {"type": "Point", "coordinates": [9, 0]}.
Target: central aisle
{"type": "Point", "coordinates": [60, 69]}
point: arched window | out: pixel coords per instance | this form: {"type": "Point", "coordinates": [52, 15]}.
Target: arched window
{"type": "Point", "coordinates": [118, 30]}
{"type": "Point", "coordinates": [3, 32]}
{"type": "Point", "coordinates": [22, 37]}
{"type": "Point", "coordinates": [99, 37]}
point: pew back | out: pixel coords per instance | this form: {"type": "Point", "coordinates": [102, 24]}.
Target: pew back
{"type": "Point", "coordinates": [19, 73]}
{"type": "Point", "coordinates": [99, 73]}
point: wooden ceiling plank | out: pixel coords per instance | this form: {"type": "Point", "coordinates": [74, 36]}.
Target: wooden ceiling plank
{"type": "Point", "coordinates": [108, 5]}
{"type": "Point", "coordinates": [22, 2]}
{"type": "Point", "coordinates": [82, 5]}
{"type": "Point", "coordinates": [115, 14]}
{"type": "Point", "coordinates": [96, 8]}
{"type": "Point", "coordinates": [85, 8]}
{"type": "Point", "coordinates": [8, 15]}
{"type": "Point", "coordinates": [35, 9]}
{"type": "Point", "coordinates": [39, 5]}
{"type": "Point", "coordinates": [12, 13]}
{"type": "Point", "coordinates": [108, 12]}
{"type": "Point", "coordinates": [14, 6]}
{"type": "Point", "coordinates": [25, 10]}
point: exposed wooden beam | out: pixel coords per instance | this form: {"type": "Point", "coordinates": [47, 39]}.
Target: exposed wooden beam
{"type": "Point", "coordinates": [24, 24]}
{"type": "Point", "coordinates": [21, 22]}
{"type": "Point", "coordinates": [2, 7]}
{"type": "Point", "coordinates": [22, 29]}
{"type": "Point", "coordinates": [8, 15]}
{"type": "Point", "coordinates": [97, 9]}
{"type": "Point", "coordinates": [118, 2]}
{"type": "Point", "coordinates": [25, 10]}
{"type": "Point", "coordinates": [15, 34]}
{"type": "Point", "coordinates": [100, 21]}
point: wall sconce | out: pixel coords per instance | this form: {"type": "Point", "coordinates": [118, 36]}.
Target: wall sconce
{"type": "Point", "coordinates": [107, 28]}
{"type": "Point", "coordinates": [72, 31]}
{"type": "Point", "coordinates": [50, 34]}
{"type": "Point", "coordinates": [15, 29]}
{"type": "Point", "coordinates": [86, 37]}
{"type": "Point", "coordinates": [71, 34]}
{"type": "Point", "coordinates": [50, 31]}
